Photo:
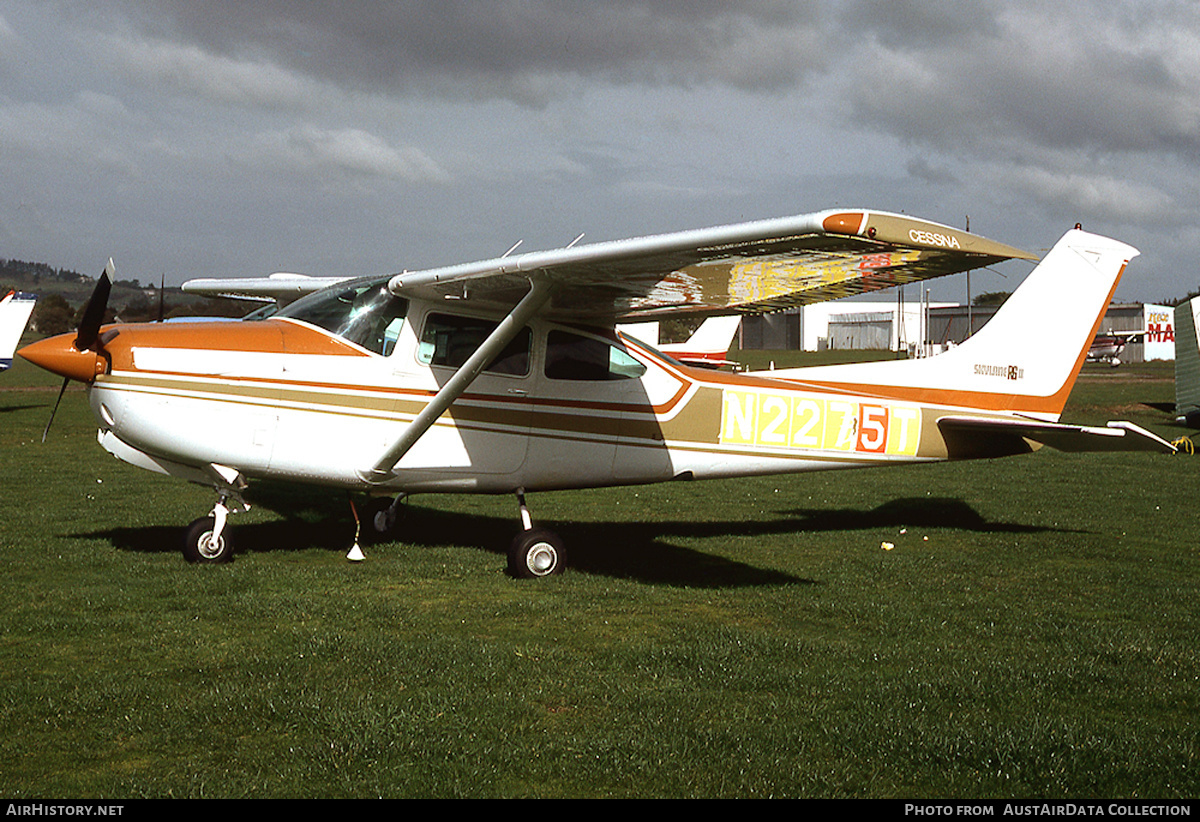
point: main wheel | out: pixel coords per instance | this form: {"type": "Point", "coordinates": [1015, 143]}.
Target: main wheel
{"type": "Point", "coordinates": [536, 553]}
{"type": "Point", "coordinates": [199, 545]}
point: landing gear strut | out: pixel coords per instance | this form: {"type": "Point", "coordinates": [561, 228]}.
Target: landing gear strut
{"type": "Point", "coordinates": [535, 552]}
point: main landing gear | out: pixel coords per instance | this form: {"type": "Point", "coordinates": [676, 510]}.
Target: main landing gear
{"type": "Point", "coordinates": [535, 552]}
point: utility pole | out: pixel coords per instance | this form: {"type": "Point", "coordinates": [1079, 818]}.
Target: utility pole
{"type": "Point", "coordinates": [970, 313]}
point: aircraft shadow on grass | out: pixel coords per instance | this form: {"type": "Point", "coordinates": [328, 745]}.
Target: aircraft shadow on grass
{"type": "Point", "coordinates": [8, 409]}
{"type": "Point", "coordinates": [643, 551]}
{"type": "Point", "coordinates": [923, 512]}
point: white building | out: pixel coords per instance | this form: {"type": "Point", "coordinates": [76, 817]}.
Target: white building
{"type": "Point", "coordinates": [921, 328]}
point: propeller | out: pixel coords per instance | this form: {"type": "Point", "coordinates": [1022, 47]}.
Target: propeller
{"type": "Point", "coordinates": [88, 336]}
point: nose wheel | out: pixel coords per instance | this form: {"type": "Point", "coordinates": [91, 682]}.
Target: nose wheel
{"type": "Point", "coordinates": [535, 552]}
{"type": "Point", "coordinates": [208, 540]}
{"type": "Point", "coordinates": [205, 543]}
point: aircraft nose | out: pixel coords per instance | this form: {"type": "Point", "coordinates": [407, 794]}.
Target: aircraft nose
{"type": "Point", "coordinates": [59, 355]}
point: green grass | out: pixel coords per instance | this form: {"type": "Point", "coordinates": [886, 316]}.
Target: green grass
{"type": "Point", "coordinates": [1031, 634]}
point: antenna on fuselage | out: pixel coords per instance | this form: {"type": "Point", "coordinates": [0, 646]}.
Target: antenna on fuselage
{"type": "Point", "coordinates": [356, 553]}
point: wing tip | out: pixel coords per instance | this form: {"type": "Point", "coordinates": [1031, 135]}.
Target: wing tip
{"type": "Point", "coordinates": [900, 229]}
{"type": "Point", "coordinates": [845, 222]}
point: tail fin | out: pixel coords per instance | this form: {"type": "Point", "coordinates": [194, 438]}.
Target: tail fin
{"type": "Point", "coordinates": [707, 347]}
{"type": "Point", "coordinates": [15, 309]}
{"type": "Point", "coordinates": [709, 344]}
{"type": "Point", "coordinates": [1187, 364]}
{"type": "Point", "coordinates": [1027, 357]}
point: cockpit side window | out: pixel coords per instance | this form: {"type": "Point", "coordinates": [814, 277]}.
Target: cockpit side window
{"type": "Point", "coordinates": [450, 340]}
{"type": "Point", "coordinates": [366, 314]}
{"type": "Point", "coordinates": [576, 357]}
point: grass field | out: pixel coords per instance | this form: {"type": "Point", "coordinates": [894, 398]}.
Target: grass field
{"type": "Point", "coordinates": [1032, 634]}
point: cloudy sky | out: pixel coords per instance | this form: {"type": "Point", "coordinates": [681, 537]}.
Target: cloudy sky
{"type": "Point", "coordinates": [227, 138]}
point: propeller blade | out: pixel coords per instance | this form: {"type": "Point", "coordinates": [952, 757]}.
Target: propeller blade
{"type": "Point", "coordinates": [55, 409]}
{"type": "Point", "coordinates": [93, 314]}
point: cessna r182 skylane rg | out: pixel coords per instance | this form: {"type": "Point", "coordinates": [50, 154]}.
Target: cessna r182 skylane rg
{"type": "Point", "coordinates": [508, 376]}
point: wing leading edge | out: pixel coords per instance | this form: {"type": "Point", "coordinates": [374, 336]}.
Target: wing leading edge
{"type": "Point", "coordinates": [754, 267]}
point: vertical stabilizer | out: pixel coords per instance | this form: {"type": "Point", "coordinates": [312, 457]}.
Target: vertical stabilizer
{"type": "Point", "coordinates": [15, 309]}
{"type": "Point", "coordinates": [1026, 359]}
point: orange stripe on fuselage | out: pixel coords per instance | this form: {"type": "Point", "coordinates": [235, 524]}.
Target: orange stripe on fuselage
{"type": "Point", "coordinates": [274, 336]}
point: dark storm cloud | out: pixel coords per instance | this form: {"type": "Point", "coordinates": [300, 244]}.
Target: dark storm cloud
{"type": "Point", "coordinates": [1108, 76]}
{"type": "Point", "coordinates": [508, 48]}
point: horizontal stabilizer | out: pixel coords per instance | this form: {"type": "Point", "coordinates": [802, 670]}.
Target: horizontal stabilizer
{"type": "Point", "coordinates": [972, 437]}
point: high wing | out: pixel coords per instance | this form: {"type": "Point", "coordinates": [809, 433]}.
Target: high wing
{"type": "Point", "coordinates": [749, 267]}
{"type": "Point", "coordinates": [280, 287]}
{"type": "Point", "coordinates": [752, 267]}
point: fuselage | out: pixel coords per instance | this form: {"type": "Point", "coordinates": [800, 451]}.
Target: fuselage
{"type": "Point", "coordinates": [563, 407]}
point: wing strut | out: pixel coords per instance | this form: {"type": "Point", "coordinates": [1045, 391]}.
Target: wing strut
{"type": "Point", "coordinates": [509, 327]}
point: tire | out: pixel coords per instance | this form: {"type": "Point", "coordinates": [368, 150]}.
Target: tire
{"type": "Point", "coordinates": [537, 553]}
{"type": "Point", "coordinates": [198, 546]}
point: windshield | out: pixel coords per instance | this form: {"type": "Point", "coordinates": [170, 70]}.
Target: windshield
{"type": "Point", "coordinates": [363, 312]}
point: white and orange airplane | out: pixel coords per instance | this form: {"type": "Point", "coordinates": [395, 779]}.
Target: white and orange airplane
{"type": "Point", "coordinates": [15, 308]}
{"type": "Point", "coordinates": [508, 376]}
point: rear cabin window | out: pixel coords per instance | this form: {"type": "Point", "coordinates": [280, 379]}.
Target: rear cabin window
{"type": "Point", "coordinates": [576, 357]}
{"type": "Point", "coordinates": [365, 314]}
{"type": "Point", "coordinates": [450, 340]}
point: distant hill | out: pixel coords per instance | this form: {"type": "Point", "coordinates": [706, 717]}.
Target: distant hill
{"type": "Point", "coordinates": [62, 293]}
